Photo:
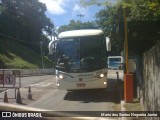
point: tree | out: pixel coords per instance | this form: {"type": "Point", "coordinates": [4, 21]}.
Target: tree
{"type": "Point", "coordinates": [76, 25]}
{"type": "Point", "coordinates": [137, 9]}
{"type": "Point", "coordinates": [142, 9]}
{"type": "Point", "coordinates": [24, 19]}
{"type": "Point", "coordinates": [110, 18]}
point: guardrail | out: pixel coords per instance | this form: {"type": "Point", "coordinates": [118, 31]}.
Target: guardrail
{"type": "Point", "coordinates": [31, 72]}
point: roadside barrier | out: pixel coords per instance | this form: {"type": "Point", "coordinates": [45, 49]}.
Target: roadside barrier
{"type": "Point", "coordinates": [33, 72]}
{"type": "Point", "coordinates": [19, 99]}
{"type": "Point", "coordinates": [10, 79]}
{"type": "Point", "coordinates": [29, 93]}
{"type": "Point", "coordinates": [5, 97]}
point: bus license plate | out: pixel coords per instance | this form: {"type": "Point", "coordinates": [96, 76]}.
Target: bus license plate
{"type": "Point", "coordinates": [81, 85]}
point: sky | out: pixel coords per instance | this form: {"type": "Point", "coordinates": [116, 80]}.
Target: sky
{"type": "Point", "coordinates": [62, 11]}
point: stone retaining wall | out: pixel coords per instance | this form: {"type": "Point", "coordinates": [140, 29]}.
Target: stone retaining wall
{"type": "Point", "coordinates": [28, 72]}
{"type": "Point", "coordinates": [151, 75]}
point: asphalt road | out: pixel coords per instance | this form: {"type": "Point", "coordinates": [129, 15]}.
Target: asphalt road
{"type": "Point", "coordinates": [33, 80]}
{"type": "Point", "coordinates": [37, 83]}
{"type": "Point", "coordinates": [47, 96]}
{"type": "Point", "coordinates": [87, 100]}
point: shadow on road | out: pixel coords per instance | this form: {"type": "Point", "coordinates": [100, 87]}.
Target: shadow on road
{"type": "Point", "coordinates": [113, 93]}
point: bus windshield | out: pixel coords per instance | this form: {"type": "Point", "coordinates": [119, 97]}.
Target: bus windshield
{"type": "Point", "coordinates": [81, 54]}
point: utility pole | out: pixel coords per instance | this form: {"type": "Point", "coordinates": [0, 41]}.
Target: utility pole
{"type": "Point", "coordinates": [80, 15]}
{"type": "Point", "coordinates": [126, 40]}
{"type": "Point", "coordinates": [41, 43]}
{"type": "Point", "coordinates": [128, 77]}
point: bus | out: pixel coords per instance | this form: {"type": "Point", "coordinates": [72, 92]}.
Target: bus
{"type": "Point", "coordinates": [115, 62]}
{"type": "Point", "coordinates": [80, 58]}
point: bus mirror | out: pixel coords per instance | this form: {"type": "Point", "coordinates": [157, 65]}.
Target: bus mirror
{"type": "Point", "coordinates": [51, 47]}
{"type": "Point", "coordinates": [108, 44]}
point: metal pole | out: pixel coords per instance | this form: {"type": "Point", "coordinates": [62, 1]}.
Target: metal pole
{"type": "Point", "coordinates": [126, 40]}
{"type": "Point", "coordinates": [42, 54]}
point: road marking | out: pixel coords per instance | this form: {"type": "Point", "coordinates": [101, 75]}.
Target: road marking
{"type": "Point", "coordinates": [37, 84]}
{"type": "Point", "coordinates": [123, 109]}
{"type": "Point", "coordinates": [42, 84]}
{"type": "Point", "coordinates": [47, 84]}
{"type": "Point", "coordinates": [5, 91]}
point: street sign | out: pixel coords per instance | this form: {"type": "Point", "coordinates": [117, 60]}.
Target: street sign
{"type": "Point", "coordinates": [9, 79]}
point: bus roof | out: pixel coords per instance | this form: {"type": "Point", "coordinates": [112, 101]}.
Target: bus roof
{"type": "Point", "coordinates": [80, 33]}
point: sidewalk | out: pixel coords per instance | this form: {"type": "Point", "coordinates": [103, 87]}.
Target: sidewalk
{"type": "Point", "coordinates": [134, 106]}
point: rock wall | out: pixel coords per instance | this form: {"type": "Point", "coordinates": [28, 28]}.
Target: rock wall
{"type": "Point", "coordinates": [151, 77]}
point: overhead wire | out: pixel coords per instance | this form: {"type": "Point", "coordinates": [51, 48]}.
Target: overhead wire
{"type": "Point", "coordinates": [10, 37]}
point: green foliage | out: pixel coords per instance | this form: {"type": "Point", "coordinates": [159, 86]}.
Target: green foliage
{"type": "Point", "coordinates": [15, 55]}
{"type": "Point", "coordinates": [95, 2]}
{"type": "Point", "coordinates": [24, 19]}
{"type": "Point", "coordinates": [142, 9]}
{"type": "Point", "coordinates": [76, 25]}
{"type": "Point", "coordinates": [111, 16]}
{"type": "Point", "coordinates": [108, 19]}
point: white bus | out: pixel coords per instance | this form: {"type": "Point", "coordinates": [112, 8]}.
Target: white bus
{"type": "Point", "coordinates": [80, 57]}
{"type": "Point", "coordinates": [115, 62]}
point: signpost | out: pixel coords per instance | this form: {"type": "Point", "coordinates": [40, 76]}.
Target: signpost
{"type": "Point", "coordinates": [1, 79]}
{"type": "Point", "coordinates": [10, 78]}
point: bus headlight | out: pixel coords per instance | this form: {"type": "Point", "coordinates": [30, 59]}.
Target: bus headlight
{"type": "Point", "coordinates": [61, 76]}
{"type": "Point", "coordinates": [101, 75]}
